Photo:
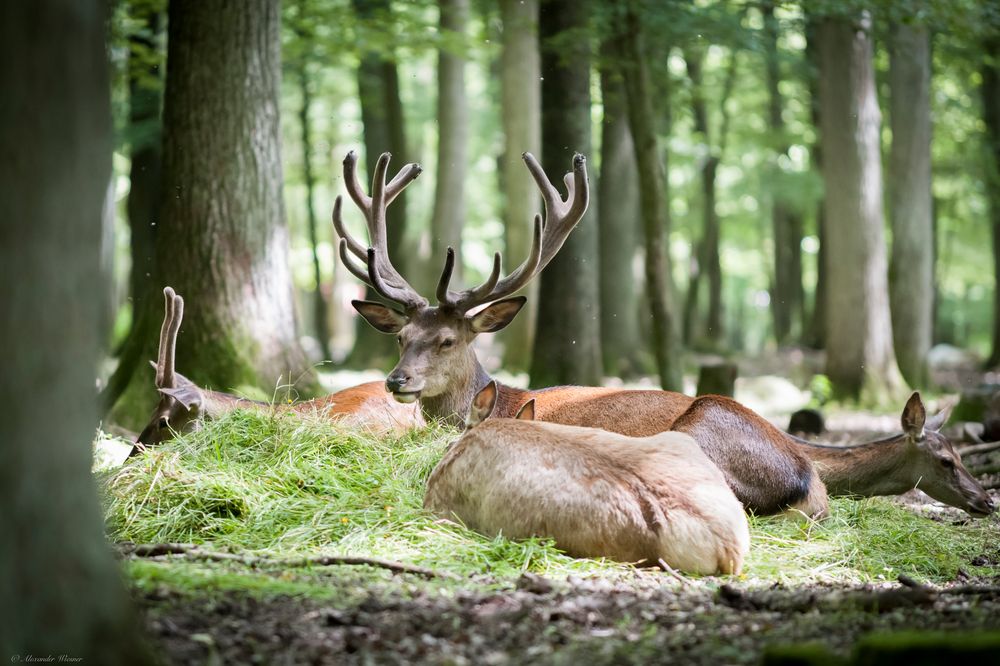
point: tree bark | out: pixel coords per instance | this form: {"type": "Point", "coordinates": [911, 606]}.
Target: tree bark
{"type": "Point", "coordinates": [521, 111]}
{"type": "Point", "coordinates": [618, 226]}
{"type": "Point", "coordinates": [991, 117]}
{"type": "Point", "coordinates": [453, 139]}
{"type": "Point", "coordinates": [911, 278]}
{"type": "Point", "coordinates": [60, 589]}
{"type": "Point", "coordinates": [222, 241]}
{"type": "Point", "coordinates": [653, 202]}
{"type": "Point", "coordinates": [816, 336]}
{"type": "Point", "coordinates": [786, 293]}
{"type": "Point", "coordinates": [384, 130]}
{"type": "Point", "coordinates": [860, 359]}
{"type": "Point", "coordinates": [569, 350]}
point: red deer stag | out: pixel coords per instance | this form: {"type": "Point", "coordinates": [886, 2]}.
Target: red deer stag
{"type": "Point", "coordinates": [183, 404]}
{"type": "Point", "coordinates": [439, 368]}
{"type": "Point", "coordinates": [596, 493]}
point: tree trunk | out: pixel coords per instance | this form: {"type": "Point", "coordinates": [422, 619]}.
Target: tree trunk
{"type": "Point", "coordinates": [384, 128]}
{"type": "Point", "coordinates": [860, 359]}
{"type": "Point", "coordinates": [61, 591]}
{"type": "Point", "coordinates": [320, 309]}
{"type": "Point", "coordinates": [912, 271]}
{"type": "Point", "coordinates": [786, 292]}
{"type": "Point", "coordinates": [521, 111]}
{"type": "Point", "coordinates": [991, 117]}
{"type": "Point", "coordinates": [222, 241]}
{"type": "Point", "coordinates": [817, 322]}
{"type": "Point", "coordinates": [618, 226]}
{"type": "Point", "coordinates": [653, 202]}
{"type": "Point", "coordinates": [569, 349]}
{"type": "Point", "coordinates": [453, 139]}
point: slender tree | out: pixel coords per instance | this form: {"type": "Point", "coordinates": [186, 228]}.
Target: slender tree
{"type": "Point", "coordinates": [653, 202]}
{"type": "Point", "coordinates": [568, 349]}
{"type": "Point", "coordinates": [60, 589]}
{"type": "Point", "coordinates": [816, 335]}
{"type": "Point", "coordinates": [453, 139]}
{"type": "Point", "coordinates": [787, 296]}
{"type": "Point", "coordinates": [521, 118]}
{"type": "Point", "coordinates": [991, 117]}
{"type": "Point", "coordinates": [384, 130]}
{"type": "Point", "coordinates": [860, 358]}
{"type": "Point", "coordinates": [618, 226]}
{"type": "Point", "coordinates": [911, 276]}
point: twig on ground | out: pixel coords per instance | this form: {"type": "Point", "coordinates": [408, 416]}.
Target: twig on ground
{"type": "Point", "coordinates": [673, 572]}
{"type": "Point", "coordinates": [194, 552]}
{"type": "Point", "coordinates": [986, 447]}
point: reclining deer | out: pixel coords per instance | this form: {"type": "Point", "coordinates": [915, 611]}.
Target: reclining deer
{"type": "Point", "coordinates": [183, 405]}
{"type": "Point", "coordinates": [596, 493]}
{"type": "Point", "coordinates": [767, 469]}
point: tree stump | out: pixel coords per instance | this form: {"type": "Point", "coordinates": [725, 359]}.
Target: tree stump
{"type": "Point", "coordinates": [718, 378]}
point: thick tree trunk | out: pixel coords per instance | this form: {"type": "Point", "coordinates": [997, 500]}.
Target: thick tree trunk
{"type": "Point", "coordinates": [222, 241]}
{"type": "Point", "coordinates": [320, 309]}
{"type": "Point", "coordinates": [912, 270]}
{"type": "Point", "coordinates": [860, 358]}
{"type": "Point", "coordinates": [453, 139]}
{"type": "Point", "coordinates": [60, 589]}
{"type": "Point", "coordinates": [618, 226]}
{"type": "Point", "coordinates": [521, 111]}
{"type": "Point", "coordinates": [991, 116]}
{"type": "Point", "coordinates": [816, 336]}
{"type": "Point", "coordinates": [653, 201]}
{"type": "Point", "coordinates": [568, 350]}
{"type": "Point", "coordinates": [786, 292]}
{"type": "Point", "coordinates": [384, 127]}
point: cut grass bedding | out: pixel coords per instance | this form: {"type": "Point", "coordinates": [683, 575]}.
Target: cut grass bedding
{"type": "Point", "coordinates": [282, 485]}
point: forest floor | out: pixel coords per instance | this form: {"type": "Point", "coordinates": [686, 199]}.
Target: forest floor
{"type": "Point", "coordinates": [252, 496]}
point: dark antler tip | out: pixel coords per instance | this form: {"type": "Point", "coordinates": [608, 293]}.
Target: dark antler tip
{"type": "Point", "coordinates": [579, 160]}
{"type": "Point", "coordinates": [525, 155]}
{"type": "Point", "coordinates": [350, 157]}
{"type": "Point", "coordinates": [371, 253]}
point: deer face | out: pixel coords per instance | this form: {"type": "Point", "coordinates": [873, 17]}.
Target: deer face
{"type": "Point", "coordinates": [179, 410]}
{"type": "Point", "coordinates": [435, 351]}
{"type": "Point", "coordinates": [936, 467]}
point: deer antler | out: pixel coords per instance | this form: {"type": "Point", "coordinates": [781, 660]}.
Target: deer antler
{"type": "Point", "coordinates": [378, 272]}
{"type": "Point", "coordinates": [172, 317]}
{"type": "Point", "coordinates": [561, 216]}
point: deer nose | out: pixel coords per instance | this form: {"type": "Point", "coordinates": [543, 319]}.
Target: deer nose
{"type": "Point", "coordinates": [395, 383]}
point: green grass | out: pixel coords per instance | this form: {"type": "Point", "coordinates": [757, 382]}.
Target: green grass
{"type": "Point", "coordinates": [285, 485]}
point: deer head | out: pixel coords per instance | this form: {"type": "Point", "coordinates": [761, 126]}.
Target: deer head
{"type": "Point", "coordinates": [181, 401]}
{"type": "Point", "coordinates": [437, 364]}
{"type": "Point", "coordinates": [935, 467]}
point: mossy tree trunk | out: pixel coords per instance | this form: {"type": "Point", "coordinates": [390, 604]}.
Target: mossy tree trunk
{"type": "Point", "coordinates": [62, 593]}
{"type": "Point", "coordinates": [521, 118]}
{"type": "Point", "coordinates": [222, 240]}
{"type": "Point", "coordinates": [911, 276]}
{"type": "Point", "coordinates": [568, 346]}
{"type": "Point", "coordinates": [618, 224]}
{"type": "Point", "coordinates": [860, 360]}
{"type": "Point", "coordinates": [653, 202]}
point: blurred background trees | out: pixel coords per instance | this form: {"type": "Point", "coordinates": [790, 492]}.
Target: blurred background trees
{"type": "Point", "coordinates": [740, 201]}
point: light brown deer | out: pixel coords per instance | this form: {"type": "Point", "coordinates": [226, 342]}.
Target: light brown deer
{"type": "Point", "coordinates": [438, 366]}
{"type": "Point", "coordinates": [595, 493]}
{"type": "Point", "coordinates": [183, 405]}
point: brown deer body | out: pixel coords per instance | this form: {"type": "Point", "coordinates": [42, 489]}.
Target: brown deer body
{"type": "Point", "coordinates": [183, 405]}
{"type": "Point", "coordinates": [596, 493]}
{"type": "Point", "coordinates": [439, 368]}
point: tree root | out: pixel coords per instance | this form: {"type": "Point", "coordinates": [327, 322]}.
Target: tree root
{"type": "Point", "coordinates": [194, 552]}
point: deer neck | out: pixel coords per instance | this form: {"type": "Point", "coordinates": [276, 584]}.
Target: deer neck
{"type": "Point", "coordinates": [452, 405]}
{"type": "Point", "coordinates": [873, 468]}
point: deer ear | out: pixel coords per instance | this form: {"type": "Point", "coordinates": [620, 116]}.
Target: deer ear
{"type": "Point", "coordinates": [482, 405]}
{"type": "Point", "coordinates": [914, 415]}
{"type": "Point", "coordinates": [527, 411]}
{"type": "Point", "coordinates": [186, 394]}
{"type": "Point", "coordinates": [497, 315]}
{"type": "Point", "coordinates": [380, 317]}
{"type": "Point", "coordinates": [936, 422]}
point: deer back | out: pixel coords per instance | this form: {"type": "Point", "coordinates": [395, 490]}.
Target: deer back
{"type": "Point", "coordinates": [597, 494]}
{"type": "Point", "coordinates": [368, 406]}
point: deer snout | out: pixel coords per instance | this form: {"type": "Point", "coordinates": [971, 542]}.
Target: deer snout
{"type": "Point", "coordinates": [397, 382]}
{"type": "Point", "coordinates": [983, 505]}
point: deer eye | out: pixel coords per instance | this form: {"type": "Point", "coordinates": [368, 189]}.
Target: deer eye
{"type": "Point", "coordinates": [448, 343]}
{"type": "Point", "coordinates": [948, 463]}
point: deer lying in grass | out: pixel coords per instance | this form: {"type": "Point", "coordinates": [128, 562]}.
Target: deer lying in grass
{"type": "Point", "coordinates": [183, 404]}
{"type": "Point", "coordinates": [596, 493]}
{"type": "Point", "coordinates": [439, 368]}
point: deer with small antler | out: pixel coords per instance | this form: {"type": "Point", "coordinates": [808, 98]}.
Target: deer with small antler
{"type": "Point", "coordinates": [183, 405]}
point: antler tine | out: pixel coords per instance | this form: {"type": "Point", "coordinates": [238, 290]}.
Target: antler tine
{"type": "Point", "coordinates": [177, 317]}
{"type": "Point", "coordinates": [406, 175]}
{"type": "Point", "coordinates": [356, 248]}
{"type": "Point", "coordinates": [406, 297]}
{"type": "Point", "coordinates": [161, 351]}
{"type": "Point", "coordinates": [362, 200]}
{"type": "Point", "coordinates": [355, 270]}
{"type": "Point", "coordinates": [457, 300]}
{"type": "Point", "coordinates": [444, 296]}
